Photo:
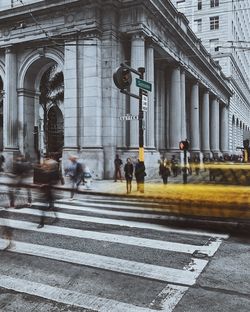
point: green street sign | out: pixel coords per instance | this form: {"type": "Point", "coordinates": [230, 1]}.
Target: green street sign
{"type": "Point", "coordinates": [143, 84]}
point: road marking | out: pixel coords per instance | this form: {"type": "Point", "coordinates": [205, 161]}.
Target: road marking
{"type": "Point", "coordinates": [108, 221]}
{"type": "Point", "coordinates": [115, 238]}
{"type": "Point", "coordinates": [168, 298]}
{"type": "Point", "coordinates": [107, 202]}
{"type": "Point", "coordinates": [187, 276]}
{"type": "Point", "coordinates": [111, 212]}
{"type": "Point", "coordinates": [68, 297]}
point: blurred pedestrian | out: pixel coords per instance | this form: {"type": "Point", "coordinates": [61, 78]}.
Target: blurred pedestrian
{"type": "Point", "coordinates": [21, 170]}
{"type": "Point", "coordinates": [140, 175]}
{"type": "Point", "coordinates": [174, 166]}
{"type": "Point", "coordinates": [118, 164]}
{"type": "Point", "coordinates": [129, 169]}
{"type": "Point", "coordinates": [50, 168]}
{"type": "Point", "coordinates": [164, 170]}
{"type": "Point", "coordinates": [2, 161]}
{"type": "Point", "coordinates": [75, 173]}
{"type": "Point", "coordinates": [197, 164]}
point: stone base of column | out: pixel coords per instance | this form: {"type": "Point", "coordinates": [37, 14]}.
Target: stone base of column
{"type": "Point", "coordinates": [93, 158]}
{"type": "Point", "coordinates": [10, 154]}
{"type": "Point", "coordinates": [151, 160]}
{"type": "Point", "coordinates": [216, 153]}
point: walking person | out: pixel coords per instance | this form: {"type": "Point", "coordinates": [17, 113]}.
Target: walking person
{"type": "Point", "coordinates": [164, 170]}
{"type": "Point", "coordinates": [129, 169]}
{"type": "Point", "coordinates": [2, 161]}
{"type": "Point", "coordinates": [75, 172]}
{"type": "Point", "coordinates": [140, 175]}
{"type": "Point", "coordinates": [118, 164]}
{"type": "Point", "coordinates": [174, 166]}
{"type": "Point", "coordinates": [51, 176]}
{"type": "Point", "coordinates": [21, 170]}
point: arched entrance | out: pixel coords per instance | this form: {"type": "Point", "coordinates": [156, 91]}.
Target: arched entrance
{"type": "Point", "coordinates": [55, 131]}
{"type": "Point", "coordinates": [35, 112]}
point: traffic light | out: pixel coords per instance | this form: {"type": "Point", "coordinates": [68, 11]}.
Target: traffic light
{"type": "Point", "coordinates": [246, 143]}
{"type": "Point", "coordinates": [184, 145]}
{"type": "Point", "coordinates": [122, 78]}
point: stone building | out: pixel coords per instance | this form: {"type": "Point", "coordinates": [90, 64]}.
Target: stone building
{"type": "Point", "coordinates": [88, 40]}
{"type": "Point", "coordinates": [224, 28]}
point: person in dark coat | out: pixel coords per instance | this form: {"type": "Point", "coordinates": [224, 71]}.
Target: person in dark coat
{"type": "Point", "coordinates": [164, 170]}
{"type": "Point", "coordinates": [50, 169]}
{"type": "Point", "coordinates": [129, 169]}
{"type": "Point", "coordinates": [117, 163]}
{"type": "Point", "coordinates": [2, 161]}
{"type": "Point", "coordinates": [140, 175]}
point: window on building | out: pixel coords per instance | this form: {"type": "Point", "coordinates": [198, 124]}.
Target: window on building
{"type": "Point", "coordinates": [214, 22]}
{"type": "Point", "coordinates": [199, 4]}
{"type": "Point", "coordinates": [214, 3]}
{"type": "Point", "coordinates": [198, 25]}
{"type": "Point", "coordinates": [214, 45]}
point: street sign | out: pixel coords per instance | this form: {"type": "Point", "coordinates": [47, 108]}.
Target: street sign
{"type": "Point", "coordinates": [128, 117]}
{"type": "Point", "coordinates": [143, 84]}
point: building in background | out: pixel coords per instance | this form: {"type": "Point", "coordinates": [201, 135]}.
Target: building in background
{"type": "Point", "coordinates": [224, 29]}
{"type": "Point", "coordinates": [86, 41]}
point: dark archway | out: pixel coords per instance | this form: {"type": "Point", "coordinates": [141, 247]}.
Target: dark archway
{"type": "Point", "coordinates": [55, 131]}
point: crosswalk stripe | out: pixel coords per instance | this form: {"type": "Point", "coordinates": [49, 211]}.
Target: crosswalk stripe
{"type": "Point", "coordinates": [187, 276]}
{"type": "Point", "coordinates": [115, 205]}
{"type": "Point", "coordinates": [111, 212]}
{"type": "Point", "coordinates": [121, 239]}
{"type": "Point", "coordinates": [108, 221]}
{"type": "Point", "coordinates": [111, 201]}
{"type": "Point", "coordinates": [168, 298]}
{"type": "Point", "coordinates": [68, 297]}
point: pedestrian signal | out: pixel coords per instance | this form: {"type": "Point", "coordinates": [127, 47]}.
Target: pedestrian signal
{"type": "Point", "coordinates": [122, 78]}
{"type": "Point", "coordinates": [184, 145]}
{"type": "Point", "coordinates": [246, 143]}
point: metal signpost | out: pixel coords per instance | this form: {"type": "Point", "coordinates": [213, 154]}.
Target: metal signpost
{"type": "Point", "coordinates": [122, 79]}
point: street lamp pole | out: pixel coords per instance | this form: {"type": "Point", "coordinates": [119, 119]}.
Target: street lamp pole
{"type": "Point", "coordinates": [141, 70]}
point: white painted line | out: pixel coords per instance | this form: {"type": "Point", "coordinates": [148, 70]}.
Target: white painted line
{"type": "Point", "coordinates": [169, 297]}
{"type": "Point", "coordinates": [114, 238]}
{"type": "Point", "coordinates": [115, 206]}
{"type": "Point", "coordinates": [68, 297]}
{"type": "Point", "coordinates": [111, 212]}
{"type": "Point", "coordinates": [187, 276]}
{"type": "Point", "coordinates": [134, 224]}
{"type": "Point", "coordinates": [108, 201]}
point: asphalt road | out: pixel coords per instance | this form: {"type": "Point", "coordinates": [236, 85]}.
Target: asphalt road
{"type": "Point", "coordinates": [109, 254]}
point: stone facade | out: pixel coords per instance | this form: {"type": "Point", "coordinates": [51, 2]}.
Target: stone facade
{"type": "Point", "coordinates": [228, 44]}
{"type": "Point", "coordinates": [88, 40]}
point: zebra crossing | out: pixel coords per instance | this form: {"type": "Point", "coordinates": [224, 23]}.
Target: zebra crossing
{"type": "Point", "coordinates": [125, 252]}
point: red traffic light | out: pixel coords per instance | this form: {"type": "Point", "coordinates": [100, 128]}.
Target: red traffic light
{"type": "Point", "coordinates": [122, 78]}
{"type": "Point", "coordinates": [184, 145]}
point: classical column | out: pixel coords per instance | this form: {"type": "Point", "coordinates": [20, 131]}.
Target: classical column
{"type": "Point", "coordinates": [183, 105]}
{"type": "Point", "coordinates": [71, 97]}
{"type": "Point", "coordinates": [175, 110]}
{"type": "Point", "coordinates": [10, 102]}
{"type": "Point", "coordinates": [150, 115]}
{"type": "Point", "coordinates": [90, 96]}
{"type": "Point", "coordinates": [215, 125]}
{"type": "Point", "coordinates": [161, 108]}
{"type": "Point", "coordinates": [194, 118]}
{"type": "Point", "coordinates": [205, 128]}
{"type": "Point", "coordinates": [137, 60]}
{"type": "Point", "coordinates": [224, 129]}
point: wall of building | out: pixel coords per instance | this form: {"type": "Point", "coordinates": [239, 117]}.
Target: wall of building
{"type": "Point", "coordinates": [88, 41]}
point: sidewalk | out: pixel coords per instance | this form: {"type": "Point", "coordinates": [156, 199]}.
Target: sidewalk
{"type": "Point", "coordinates": [197, 198]}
